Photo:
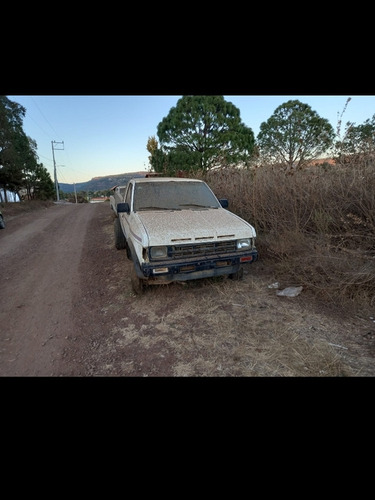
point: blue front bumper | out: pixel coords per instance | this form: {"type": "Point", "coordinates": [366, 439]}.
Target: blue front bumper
{"type": "Point", "coordinates": [204, 267]}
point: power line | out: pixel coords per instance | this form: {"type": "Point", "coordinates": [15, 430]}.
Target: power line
{"type": "Point", "coordinates": [40, 111]}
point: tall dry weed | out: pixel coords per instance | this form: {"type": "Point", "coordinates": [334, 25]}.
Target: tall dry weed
{"type": "Point", "coordinates": [316, 225]}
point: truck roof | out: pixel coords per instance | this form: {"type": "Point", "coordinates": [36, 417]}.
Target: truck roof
{"type": "Point", "coordinates": [164, 179]}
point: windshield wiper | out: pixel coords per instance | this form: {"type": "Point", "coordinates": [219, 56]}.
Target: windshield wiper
{"type": "Point", "coordinates": [194, 205]}
{"type": "Point", "coordinates": [157, 208]}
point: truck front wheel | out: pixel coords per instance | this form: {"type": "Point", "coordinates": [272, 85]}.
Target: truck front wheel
{"type": "Point", "coordinates": [237, 276]}
{"type": "Point", "coordinates": [138, 284]}
{"type": "Point", "coordinates": [120, 241]}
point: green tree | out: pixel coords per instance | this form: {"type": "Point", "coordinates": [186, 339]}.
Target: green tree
{"type": "Point", "coordinates": [12, 142]}
{"type": "Point", "coordinates": [359, 139]}
{"type": "Point", "coordinates": [19, 168]}
{"type": "Point", "coordinates": [152, 147]}
{"type": "Point", "coordinates": [294, 135]}
{"type": "Point", "coordinates": [38, 183]}
{"type": "Point", "coordinates": [199, 133]}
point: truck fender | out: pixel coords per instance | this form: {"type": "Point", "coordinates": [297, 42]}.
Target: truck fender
{"type": "Point", "coordinates": [133, 257]}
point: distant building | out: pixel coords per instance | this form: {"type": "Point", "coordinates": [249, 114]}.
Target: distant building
{"type": "Point", "coordinates": [12, 197]}
{"type": "Point", "coordinates": [99, 200]}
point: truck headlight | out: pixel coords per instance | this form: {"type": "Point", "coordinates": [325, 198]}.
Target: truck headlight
{"type": "Point", "coordinates": [245, 243]}
{"type": "Point", "coordinates": [158, 252]}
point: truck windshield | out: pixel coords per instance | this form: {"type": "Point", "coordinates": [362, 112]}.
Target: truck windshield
{"type": "Point", "coordinates": [171, 195]}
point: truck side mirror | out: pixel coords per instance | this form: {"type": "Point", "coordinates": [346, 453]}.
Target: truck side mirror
{"type": "Point", "coordinates": [123, 208]}
{"type": "Point", "coordinates": [224, 203]}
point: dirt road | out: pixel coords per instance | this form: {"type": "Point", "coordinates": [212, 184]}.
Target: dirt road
{"type": "Point", "coordinates": [68, 309]}
{"type": "Point", "coordinates": [39, 281]}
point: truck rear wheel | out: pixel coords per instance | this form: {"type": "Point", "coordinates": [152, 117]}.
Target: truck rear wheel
{"type": "Point", "coordinates": [120, 241]}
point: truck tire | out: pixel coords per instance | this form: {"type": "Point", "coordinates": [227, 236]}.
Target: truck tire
{"type": "Point", "coordinates": [138, 284]}
{"type": "Point", "coordinates": [238, 276]}
{"type": "Point", "coordinates": [120, 241]}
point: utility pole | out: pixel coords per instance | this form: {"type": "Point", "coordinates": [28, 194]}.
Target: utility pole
{"type": "Point", "coordinates": [54, 166]}
{"type": "Point", "coordinates": [75, 192]}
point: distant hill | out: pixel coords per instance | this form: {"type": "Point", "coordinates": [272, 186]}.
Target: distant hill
{"type": "Point", "coordinates": [100, 183]}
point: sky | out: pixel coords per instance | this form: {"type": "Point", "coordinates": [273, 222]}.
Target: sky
{"type": "Point", "coordinates": [101, 135]}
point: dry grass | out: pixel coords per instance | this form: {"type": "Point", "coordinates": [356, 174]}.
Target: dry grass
{"type": "Point", "coordinates": [220, 328]}
{"type": "Point", "coordinates": [316, 225]}
{"type": "Point", "coordinates": [13, 209]}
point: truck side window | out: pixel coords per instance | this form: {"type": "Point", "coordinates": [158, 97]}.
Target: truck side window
{"type": "Point", "coordinates": [128, 196]}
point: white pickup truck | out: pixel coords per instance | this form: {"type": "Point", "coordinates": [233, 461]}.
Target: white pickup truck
{"type": "Point", "coordinates": [175, 229]}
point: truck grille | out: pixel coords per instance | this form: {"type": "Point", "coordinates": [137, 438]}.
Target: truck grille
{"type": "Point", "coordinates": [202, 249]}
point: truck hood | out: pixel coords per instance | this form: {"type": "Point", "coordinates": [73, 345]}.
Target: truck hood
{"type": "Point", "coordinates": [193, 226]}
